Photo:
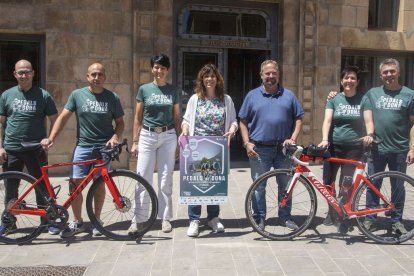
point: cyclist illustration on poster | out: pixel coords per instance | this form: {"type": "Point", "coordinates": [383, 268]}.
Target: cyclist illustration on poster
{"type": "Point", "coordinates": [203, 170]}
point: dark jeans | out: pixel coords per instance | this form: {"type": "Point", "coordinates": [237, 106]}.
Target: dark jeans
{"type": "Point", "coordinates": [33, 160]}
{"type": "Point", "coordinates": [269, 157]}
{"type": "Point", "coordinates": [194, 211]}
{"type": "Point", "coordinates": [330, 169]}
{"type": "Point", "coordinates": [395, 162]}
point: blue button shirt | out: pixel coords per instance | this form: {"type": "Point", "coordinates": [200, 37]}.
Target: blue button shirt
{"type": "Point", "coordinates": [270, 117]}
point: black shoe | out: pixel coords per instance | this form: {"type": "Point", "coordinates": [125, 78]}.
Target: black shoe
{"type": "Point", "coordinates": [261, 223]}
{"type": "Point", "coordinates": [342, 228]}
{"type": "Point", "coordinates": [328, 220]}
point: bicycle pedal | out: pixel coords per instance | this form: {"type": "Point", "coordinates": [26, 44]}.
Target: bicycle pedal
{"type": "Point", "coordinates": [58, 187]}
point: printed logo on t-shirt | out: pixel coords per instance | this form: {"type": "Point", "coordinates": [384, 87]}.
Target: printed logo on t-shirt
{"type": "Point", "coordinates": [160, 99]}
{"type": "Point", "coordinates": [95, 107]}
{"type": "Point", "coordinates": [389, 103]}
{"type": "Point", "coordinates": [348, 110]}
{"type": "Point", "coordinates": [25, 106]}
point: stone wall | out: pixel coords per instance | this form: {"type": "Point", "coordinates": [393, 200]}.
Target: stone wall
{"type": "Point", "coordinates": [314, 32]}
{"type": "Point", "coordinates": [78, 33]}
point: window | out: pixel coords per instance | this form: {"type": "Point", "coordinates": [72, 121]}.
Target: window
{"type": "Point", "coordinates": [16, 47]}
{"type": "Point", "coordinates": [383, 14]}
{"type": "Point", "coordinates": [229, 22]}
{"type": "Point", "coordinates": [368, 63]}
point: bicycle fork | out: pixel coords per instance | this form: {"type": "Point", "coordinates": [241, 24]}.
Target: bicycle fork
{"type": "Point", "coordinates": [119, 201]}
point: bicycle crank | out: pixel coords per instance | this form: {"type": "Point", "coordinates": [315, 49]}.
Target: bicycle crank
{"type": "Point", "coordinates": [59, 219]}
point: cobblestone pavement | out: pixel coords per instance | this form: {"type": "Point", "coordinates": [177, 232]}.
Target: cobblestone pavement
{"type": "Point", "coordinates": [238, 251]}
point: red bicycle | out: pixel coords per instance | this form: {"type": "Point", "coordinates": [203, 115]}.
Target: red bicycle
{"type": "Point", "coordinates": [393, 194]}
{"type": "Point", "coordinates": [23, 219]}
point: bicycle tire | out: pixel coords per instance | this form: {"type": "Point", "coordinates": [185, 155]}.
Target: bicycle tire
{"type": "Point", "coordinates": [114, 222]}
{"type": "Point", "coordinates": [381, 229]}
{"type": "Point", "coordinates": [304, 206]}
{"type": "Point", "coordinates": [21, 228]}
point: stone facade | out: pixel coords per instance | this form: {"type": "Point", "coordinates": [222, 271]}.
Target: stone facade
{"type": "Point", "coordinates": [124, 34]}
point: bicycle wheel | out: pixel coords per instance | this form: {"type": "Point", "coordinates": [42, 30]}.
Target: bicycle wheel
{"type": "Point", "coordinates": [114, 222]}
{"type": "Point", "coordinates": [382, 227]}
{"type": "Point", "coordinates": [21, 228]}
{"type": "Point", "coordinates": [303, 204]}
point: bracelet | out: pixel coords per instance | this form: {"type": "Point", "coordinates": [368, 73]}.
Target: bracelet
{"type": "Point", "coordinates": [324, 140]}
{"type": "Point", "coordinates": [245, 144]}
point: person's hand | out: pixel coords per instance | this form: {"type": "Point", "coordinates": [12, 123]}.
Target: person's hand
{"type": "Point", "coordinates": [46, 143]}
{"type": "Point", "coordinates": [410, 157]}
{"type": "Point", "coordinates": [250, 150]}
{"type": "Point", "coordinates": [367, 140]}
{"type": "Point", "coordinates": [134, 149]}
{"type": "Point", "coordinates": [113, 142]}
{"type": "Point", "coordinates": [229, 135]}
{"type": "Point", "coordinates": [3, 155]}
{"type": "Point", "coordinates": [331, 95]}
{"type": "Point", "coordinates": [289, 142]}
{"type": "Point", "coordinates": [323, 144]}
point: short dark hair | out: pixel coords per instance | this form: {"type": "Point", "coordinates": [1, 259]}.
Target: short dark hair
{"type": "Point", "coordinates": [161, 59]}
{"type": "Point", "coordinates": [351, 68]}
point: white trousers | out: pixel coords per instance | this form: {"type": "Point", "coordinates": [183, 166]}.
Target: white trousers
{"type": "Point", "coordinates": [154, 149]}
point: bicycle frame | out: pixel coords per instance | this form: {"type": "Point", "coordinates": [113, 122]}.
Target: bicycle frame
{"type": "Point", "coordinates": [326, 192]}
{"type": "Point", "coordinates": [74, 194]}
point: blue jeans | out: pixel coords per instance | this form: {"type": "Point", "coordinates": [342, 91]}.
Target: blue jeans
{"type": "Point", "coordinates": [269, 157]}
{"type": "Point", "coordinates": [82, 153]}
{"type": "Point", "coordinates": [395, 162]}
{"type": "Point", "coordinates": [194, 212]}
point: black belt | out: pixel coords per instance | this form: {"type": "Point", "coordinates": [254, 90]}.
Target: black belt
{"type": "Point", "coordinates": [275, 143]}
{"type": "Point", "coordinates": [158, 129]}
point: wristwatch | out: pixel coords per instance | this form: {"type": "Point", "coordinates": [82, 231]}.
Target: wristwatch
{"type": "Point", "coordinates": [245, 144]}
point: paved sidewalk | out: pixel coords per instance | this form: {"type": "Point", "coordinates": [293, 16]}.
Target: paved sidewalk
{"type": "Point", "coordinates": [238, 251]}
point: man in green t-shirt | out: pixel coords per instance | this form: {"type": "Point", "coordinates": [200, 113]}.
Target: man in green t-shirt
{"type": "Point", "coordinates": [96, 108]}
{"type": "Point", "coordinates": [393, 110]}
{"type": "Point", "coordinates": [23, 110]}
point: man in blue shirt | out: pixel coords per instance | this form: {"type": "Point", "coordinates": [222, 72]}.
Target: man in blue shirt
{"type": "Point", "coordinates": [270, 117]}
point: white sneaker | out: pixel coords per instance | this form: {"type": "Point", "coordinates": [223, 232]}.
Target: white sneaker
{"type": "Point", "coordinates": [192, 230]}
{"type": "Point", "coordinates": [72, 228]}
{"type": "Point", "coordinates": [216, 225]}
{"type": "Point", "coordinates": [166, 226]}
{"type": "Point", "coordinates": [135, 228]}
{"type": "Point", "coordinates": [95, 231]}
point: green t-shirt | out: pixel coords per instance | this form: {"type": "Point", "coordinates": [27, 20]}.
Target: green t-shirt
{"type": "Point", "coordinates": [26, 113]}
{"type": "Point", "coordinates": [158, 104]}
{"type": "Point", "coordinates": [347, 121]}
{"type": "Point", "coordinates": [391, 111]}
{"type": "Point", "coordinates": [94, 115]}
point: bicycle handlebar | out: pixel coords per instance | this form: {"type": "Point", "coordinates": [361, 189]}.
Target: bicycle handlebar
{"type": "Point", "coordinates": [295, 151]}
{"type": "Point", "coordinates": [112, 153]}
{"type": "Point", "coordinates": [298, 151]}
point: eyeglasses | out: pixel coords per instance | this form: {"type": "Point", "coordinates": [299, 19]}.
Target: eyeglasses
{"type": "Point", "coordinates": [26, 72]}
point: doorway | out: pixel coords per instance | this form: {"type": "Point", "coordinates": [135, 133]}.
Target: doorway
{"type": "Point", "coordinates": [242, 75]}
{"type": "Point", "coordinates": [240, 68]}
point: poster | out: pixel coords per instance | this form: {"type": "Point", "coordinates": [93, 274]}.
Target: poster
{"type": "Point", "coordinates": [203, 170]}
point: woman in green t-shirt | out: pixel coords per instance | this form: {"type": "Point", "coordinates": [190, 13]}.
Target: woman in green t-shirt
{"type": "Point", "coordinates": [157, 122]}
{"type": "Point", "coordinates": [343, 125]}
